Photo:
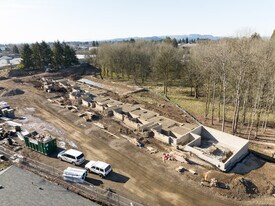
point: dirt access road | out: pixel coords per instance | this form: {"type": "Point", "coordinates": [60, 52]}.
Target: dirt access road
{"type": "Point", "coordinates": [143, 177]}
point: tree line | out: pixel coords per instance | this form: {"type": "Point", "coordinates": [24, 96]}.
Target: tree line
{"type": "Point", "coordinates": [239, 72]}
{"type": "Point", "coordinates": [235, 72]}
{"type": "Point", "coordinates": [139, 61]}
{"type": "Point", "coordinates": [41, 55]}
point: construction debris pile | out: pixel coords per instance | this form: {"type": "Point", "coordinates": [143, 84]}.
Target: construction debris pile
{"type": "Point", "coordinates": [215, 150]}
{"type": "Point", "coordinates": [42, 137]}
{"type": "Point", "coordinates": [7, 133]}
{"type": "Point", "coordinates": [6, 110]}
{"type": "Point", "coordinates": [4, 133]}
{"type": "Point", "coordinates": [53, 85]}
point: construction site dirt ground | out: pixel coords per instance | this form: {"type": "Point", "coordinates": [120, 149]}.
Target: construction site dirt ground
{"type": "Point", "coordinates": [137, 174]}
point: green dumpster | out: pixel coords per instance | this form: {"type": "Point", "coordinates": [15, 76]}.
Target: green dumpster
{"type": "Point", "coordinates": [45, 146]}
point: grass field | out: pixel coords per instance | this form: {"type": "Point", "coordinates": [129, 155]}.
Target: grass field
{"type": "Point", "coordinates": [181, 96]}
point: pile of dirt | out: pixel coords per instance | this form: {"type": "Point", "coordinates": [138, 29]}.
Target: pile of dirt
{"type": "Point", "coordinates": [36, 83]}
{"type": "Point", "coordinates": [245, 188]}
{"type": "Point", "coordinates": [18, 81]}
{"type": "Point", "coordinates": [76, 72]}
{"type": "Point", "coordinates": [2, 78]}
{"type": "Point", "coordinates": [12, 92]}
{"type": "Point", "coordinates": [241, 187]}
{"type": "Point", "coordinates": [9, 73]}
{"type": "Point", "coordinates": [17, 73]}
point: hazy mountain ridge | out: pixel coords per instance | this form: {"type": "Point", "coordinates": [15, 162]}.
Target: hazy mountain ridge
{"type": "Point", "coordinates": [157, 38]}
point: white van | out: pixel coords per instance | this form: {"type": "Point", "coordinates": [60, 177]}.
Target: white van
{"type": "Point", "coordinates": [72, 156]}
{"type": "Point", "coordinates": [75, 174]}
{"type": "Point", "coordinates": [98, 167]}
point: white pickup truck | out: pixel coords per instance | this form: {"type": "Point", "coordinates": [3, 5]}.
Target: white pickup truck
{"type": "Point", "coordinates": [98, 167]}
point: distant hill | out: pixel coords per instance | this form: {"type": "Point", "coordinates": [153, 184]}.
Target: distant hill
{"type": "Point", "coordinates": [158, 38]}
{"type": "Point", "coordinates": [195, 36]}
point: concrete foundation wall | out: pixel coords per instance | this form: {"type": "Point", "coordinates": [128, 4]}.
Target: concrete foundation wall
{"type": "Point", "coordinates": [157, 128]}
{"type": "Point", "coordinates": [149, 126]}
{"type": "Point", "coordinates": [92, 104]}
{"type": "Point", "coordinates": [107, 112]}
{"type": "Point", "coordinates": [197, 130]}
{"type": "Point", "coordinates": [196, 140]}
{"type": "Point", "coordinates": [236, 157]}
{"type": "Point", "coordinates": [173, 141]}
{"type": "Point", "coordinates": [99, 108]}
{"type": "Point", "coordinates": [225, 138]}
{"type": "Point", "coordinates": [206, 158]}
{"type": "Point", "coordinates": [133, 115]}
{"type": "Point", "coordinates": [72, 97]}
{"type": "Point", "coordinates": [181, 140]}
{"type": "Point", "coordinates": [85, 103]}
{"type": "Point", "coordinates": [130, 123]}
{"type": "Point", "coordinates": [118, 110]}
{"type": "Point", "coordinates": [118, 116]}
{"type": "Point", "coordinates": [161, 137]}
{"type": "Point", "coordinates": [240, 146]}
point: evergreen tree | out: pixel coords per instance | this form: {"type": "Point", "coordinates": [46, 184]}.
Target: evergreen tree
{"type": "Point", "coordinates": [93, 44]}
{"type": "Point", "coordinates": [46, 54]}
{"type": "Point", "coordinates": [74, 59]}
{"type": "Point", "coordinates": [36, 55]}
{"type": "Point", "coordinates": [26, 55]}
{"type": "Point", "coordinates": [186, 40]}
{"type": "Point", "coordinates": [15, 49]}
{"type": "Point", "coordinates": [58, 55]}
{"type": "Point", "coordinates": [96, 44]}
{"type": "Point", "coordinates": [132, 40]}
{"type": "Point", "coordinates": [69, 55]}
{"type": "Point", "coordinates": [174, 43]}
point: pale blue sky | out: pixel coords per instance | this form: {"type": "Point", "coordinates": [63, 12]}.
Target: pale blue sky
{"type": "Point", "coordinates": [83, 20]}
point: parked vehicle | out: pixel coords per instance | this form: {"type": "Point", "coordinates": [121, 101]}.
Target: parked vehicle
{"type": "Point", "coordinates": [98, 167]}
{"type": "Point", "coordinates": [72, 156]}
{"type": "Point", "coordinates": [75, 175]}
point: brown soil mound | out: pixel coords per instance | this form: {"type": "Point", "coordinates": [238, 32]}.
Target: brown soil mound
{"type": "Point", "coordinates": [8, 73]}
{"type": "Point", "coordinates": [12, 92]}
